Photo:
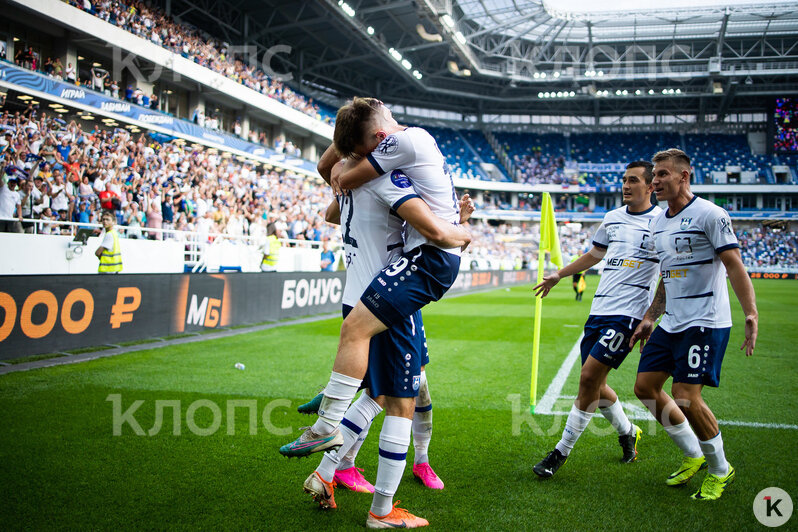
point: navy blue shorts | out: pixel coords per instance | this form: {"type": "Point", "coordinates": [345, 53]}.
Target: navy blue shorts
{"type": "Point", "coordinates": [693, 356]}
{"type": "Point", "coordinates": [607, 339]}
{"type": "Point", "coordinates": [416, 278]}
{"type": "Point", "coordinates": [395, 358]}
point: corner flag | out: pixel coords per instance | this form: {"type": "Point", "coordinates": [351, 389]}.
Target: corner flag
{"type": "Point", "coordinates": [549, 242]}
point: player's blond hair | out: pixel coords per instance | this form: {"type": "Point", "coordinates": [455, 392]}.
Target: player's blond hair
{"type": "Point", "coordinates": [673, 154]}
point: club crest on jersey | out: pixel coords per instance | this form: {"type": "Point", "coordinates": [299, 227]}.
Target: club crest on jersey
{"type": "Point", "coordinates": [685, 223]}
{"type": "Point", "coordinates": [388, 145]}
{"type": "Point", "coordinates": [399, 179]}
{"type": "Point", "coordinates": [725, 226]}
{"type": "Point", "coordinates": [416, 382]}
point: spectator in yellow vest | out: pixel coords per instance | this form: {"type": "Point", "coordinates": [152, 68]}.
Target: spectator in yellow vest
{"type": "Point", "coordinates": [109, 252]}
{"type": "Point", "coordinates": [271, 250]}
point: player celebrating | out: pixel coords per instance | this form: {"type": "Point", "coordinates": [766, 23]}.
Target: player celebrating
{"type": "Point", "coordinates": [696, 246]}
{"type": "Point", "coordinates": [424, 272]}
{"type": "Point", "coordinates": [622, 297]}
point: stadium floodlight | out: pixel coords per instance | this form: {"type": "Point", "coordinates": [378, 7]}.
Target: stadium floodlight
{"type": "Point", "coordinates": [407, 64]}
{"type": "Point", "coordinates": [617, 92]}
{"type": "Point", "coordinates": [466, 72]}
{"type": "Point", "coordinates": [395, 54]}
{"type": "Point", "coordinates": [678, 91]}
{"type": "Point", "coordinates": [651, 91]}
{"type": "Point", "coordinates": [625, 92]}
{"type": "Point", "coordinates": [417, 74]}
{"type": "Point", "coordinates": [542, 75]}
{"type": "Point", "coordinates": [540, 95]}
{"type": "Point", "coordinates": [637, 92]}
{"type": "Point", "coordinates": [370, 30]}
{"type": "Point", "coordinates": [536, 75]}
{"type": "Point", "coordinates": [460, 37]}
{"type": "Point", "coordinates": [346, 8]}
{"type": "Point", "coordinates": [559, 94]}
{"type": "Point", "coordinates": [600, 73]}
{"type": "Point", "coordinates": [572, 94]}
{"type": "Point", "coordinates": [545, 94]}
{"type": "Point", "coordinates": [556, 74]}
{"type": "Point", "coordinates": [447, 21]}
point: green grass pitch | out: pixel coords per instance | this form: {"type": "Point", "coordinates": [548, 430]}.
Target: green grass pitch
{"type": "Point", "coordinates": [62, 467]}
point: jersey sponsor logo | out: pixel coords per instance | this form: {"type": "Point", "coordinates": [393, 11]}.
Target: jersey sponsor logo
{"type": "Point", "coordinates": [388, 146]}
{"type": "Point", "coordinates": [625, 263]}
{"type": "Point", "coordinates": [725, 226]}
{"type": "Point", "coordinates": [304, 292]}
{"type": "Point", "coordinates": [399, 179]}
{"type": "Point", "coordinates": [685, 223]}
{"type": "Point", "coordinates": [683, 245]}
{"type": "Point", "coordinates": [679, 273]}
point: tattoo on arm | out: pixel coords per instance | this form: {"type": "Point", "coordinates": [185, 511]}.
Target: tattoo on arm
{"type": "Point", "coordinates": [657, 307]}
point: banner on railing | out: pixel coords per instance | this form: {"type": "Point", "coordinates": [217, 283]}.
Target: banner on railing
{"type": "Point", "coordinates": [52, 313]}
{"type": "Point", "coordinates": [25, 79]}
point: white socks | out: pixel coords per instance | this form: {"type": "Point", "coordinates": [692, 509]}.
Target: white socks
{"type": "Point", "coordinates": [394, 441]}
{"type": "Point", "coordinates": [716, 458]}
{"type": "Point", "coordinates": [617, 418]}
{"type": "Point", "coordinates": [358, 415]}
{"type": "Point", "coordinates": [349, 458]}
{"type": "Point", "coordinates": [574, 427]}
{"type": "Point", "coordinates": [684, 438]}
{"type": "Point", "coordinates": [422, 422]}
{"type": "Point", "coordinates": [337, 396]}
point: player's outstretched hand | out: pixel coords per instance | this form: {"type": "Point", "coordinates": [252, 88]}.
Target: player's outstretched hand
{"type": "Point", "coordinates": [549, 282]}
{"type": "Point", "coordinates": [751, 330]}
{"type": "Point", "coordinates": [466, 208]}
{"type": "Point", "coordinates": [642, 333]}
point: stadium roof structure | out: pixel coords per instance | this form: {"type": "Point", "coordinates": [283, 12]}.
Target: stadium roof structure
{"type": "Point", "coordinates": [697, 58]}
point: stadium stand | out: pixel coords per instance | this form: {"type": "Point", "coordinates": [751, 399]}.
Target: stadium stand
{"type": "Point", "coordinates": [153, 24]}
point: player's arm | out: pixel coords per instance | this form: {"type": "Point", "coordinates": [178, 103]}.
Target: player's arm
{"type": "Point", "coordinates": [333, 213]}
{"type": "Point", "coordinates": [467, 208]}
{"type": "Point", "coordinates": [744, 290]}
{"type": "Point", "coordinates": [441, 233]}
{"type": "Point", "coordinates": [585, 262]}
{"type": "Point", "coordinates": [354, 175]}
{"type": "Point", "coordinates": [646, 327]}
{"type": "Point", "coordinates": [327, 161]}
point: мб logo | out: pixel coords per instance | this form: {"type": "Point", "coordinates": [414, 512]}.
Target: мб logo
{"type": "Point", "coordinates": [772, 507]}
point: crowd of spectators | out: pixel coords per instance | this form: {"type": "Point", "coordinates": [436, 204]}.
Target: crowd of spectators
{"type": "Point", "coordinates": [154, 25]}
{"type": "Point", "coordinates": [763, 247]}
{"type": "Point", "coordinates": [539, 168]}
{"type": "Point", "coordinates": [59, 172]}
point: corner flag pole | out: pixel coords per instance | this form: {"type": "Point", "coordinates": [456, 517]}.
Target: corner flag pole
{"type": "Point", "coordinates": [549, 241]}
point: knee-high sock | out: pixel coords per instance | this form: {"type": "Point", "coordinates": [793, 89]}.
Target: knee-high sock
{"type": "Point", "coordinates": [338, 396]}
{"type": "Point", "coordinates": [684, 437]}
{"type": "Point", "coordinates": [348, 460]}
{"type": "Point", "coordinates": [574, 427]}
{"type": "Point", "coordinates": [422, 422]}
{"type": "Point", "coordinates": [357, 417]}
{"type": "Point", "coordinates": [394, 441]}
{"type": "Point", "coordinates": [617, 418]}
{"type": "Point", "coordinates": [716, 457]}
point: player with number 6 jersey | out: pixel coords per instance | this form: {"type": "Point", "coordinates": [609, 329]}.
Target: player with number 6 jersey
{"type": "Point", "coordinates": [624, 292]}
{"type": "Point", "coordinates": [697, 247]}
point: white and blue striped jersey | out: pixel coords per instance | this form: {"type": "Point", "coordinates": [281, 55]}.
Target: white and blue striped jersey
{"type": "Point", "coordinates": [415, 152]}
{"type": "Point", "coordinates": [688, 245]}
{"type": "Point", "coordinates": [372, 230]}
{"type": "Point", "coordinates": [629, 279]}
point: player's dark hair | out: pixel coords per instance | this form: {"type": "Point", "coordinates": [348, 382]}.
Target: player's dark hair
{"type": "Point", "coordinates": [351, 124]}
{"type": "Point", "coordinates": [673, 154]}
{"type": "Point", "coordinates": [648, 172]}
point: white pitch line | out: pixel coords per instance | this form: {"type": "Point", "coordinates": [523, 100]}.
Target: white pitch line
{"type": "Point", "coordinates": [554, 392]}
{"type": "Point", "coordinates": [555, 388]}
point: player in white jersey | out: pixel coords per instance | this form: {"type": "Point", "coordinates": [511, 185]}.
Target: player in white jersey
{"type": "Point", "coordinates": [697, 247]}
{"type": "Point", "coordinates": [422, 274]}
{"type": "Point", "coordinates": [624, 292]}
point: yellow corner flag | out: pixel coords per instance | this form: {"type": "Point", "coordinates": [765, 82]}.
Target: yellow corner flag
{"type": "Point", "coordinates": [549, 242]}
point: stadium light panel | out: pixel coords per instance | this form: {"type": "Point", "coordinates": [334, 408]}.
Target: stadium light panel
{"type": "Point", "coordinates": [406, 64]}
{"type": "Point", "coordinates": [447, 21]}
{"type": "Point", "coordinates": [460, 37]}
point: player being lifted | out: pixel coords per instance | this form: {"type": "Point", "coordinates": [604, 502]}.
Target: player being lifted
{"type": "Point", "coordinates": [622, 297]}
{"type": "Point", "coordinates": [696, 247]}
{"type": "Point", "coordinates": [423, 273]}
